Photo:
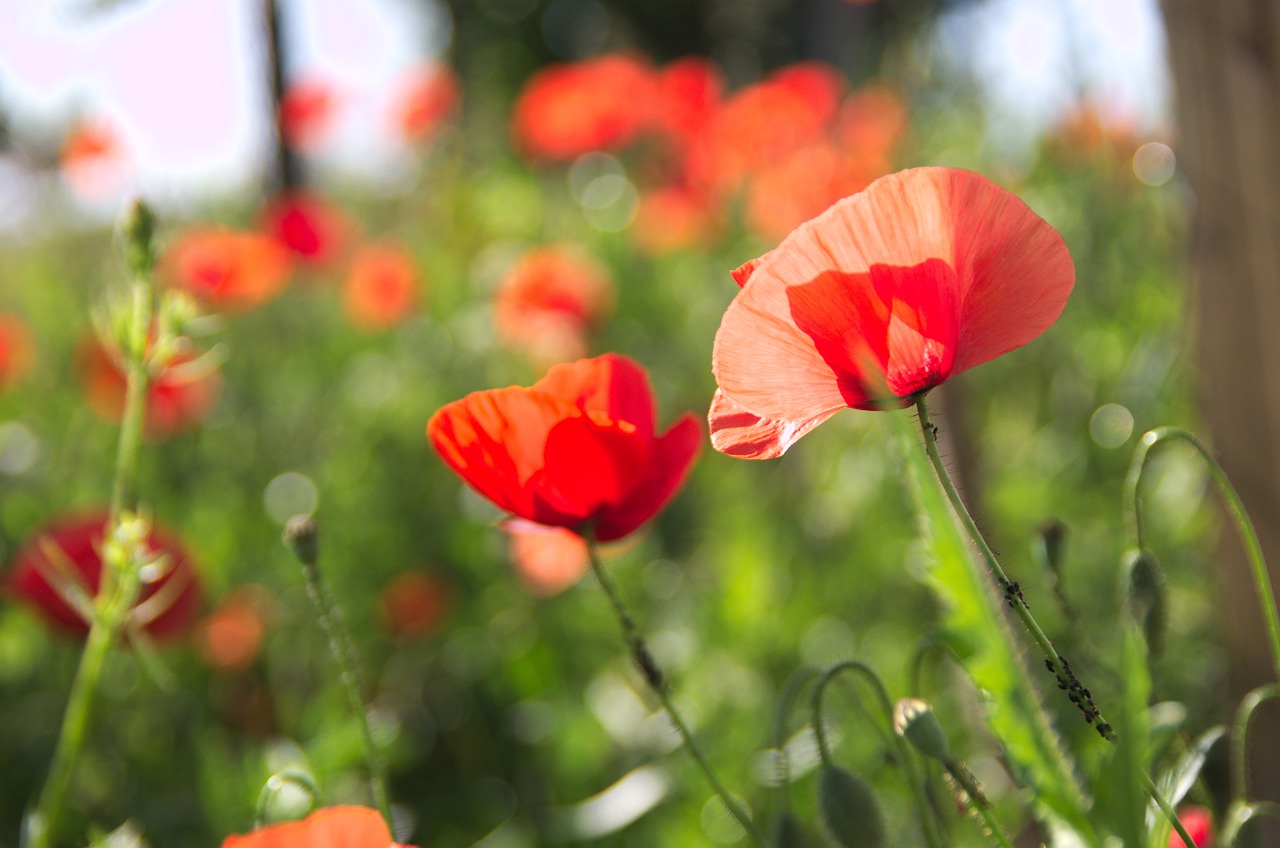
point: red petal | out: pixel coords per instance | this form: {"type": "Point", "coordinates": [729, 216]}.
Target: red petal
{"type": "Point", "coordinates": [333, 827]}
{"type": "Point", "coordinates": [549, 559]}
{"type": "Point", "coordinates": [612, 385]}
{"type": "Point", "coordinates": [592, 467]}
{"type": "Point", "coordinates": [672, 459]}
{"type": "Point", "coordinates": [737, 432]}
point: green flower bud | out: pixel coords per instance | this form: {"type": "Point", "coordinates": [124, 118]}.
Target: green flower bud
{"type": "Point", "coordinates": [913, 719]}
{"type": "Point", "coordinates": [138, 229]}
{"type": "Point", "coordinates": [1145, 595]}
{"type": "Point", "coordinates": [302, 536]}
{"type": "Point", "coordinates": [849, 809]}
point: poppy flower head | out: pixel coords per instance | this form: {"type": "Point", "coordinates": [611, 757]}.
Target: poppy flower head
{"type": "Point", "coordinates": [427, 98]}
{"type": "Point", "coordinates": [17, 350]}
{"type": "Point", "coordinates": [890, 292]}
{"type": "Point", "coordinates": [413, 603]}
{"type": "Point", "coordinates": [331, 827]}
{"type": "Point", "coordinates": [569, 109]}
{"type": "Point", "coordinates": [226, 270]}
{"type": "Point", "coordinates": [315, 231]}
{"type": "Point", "coordinates": [306, 113]}
{"type": "Point", "coordinates": [1198, 822]}
{"type": "Point", "coordinates": [178, 398]}
{"type": "Point", "coordinates": [381, 287]}
{"type": "Point", "coordinates": [230, 638]}
{"type": "Point", "coordinates": [72, 547]}
{"type": "Point", "coordinates": [549, 300]}
{"type": "Point", "coordinates": [576, 450]}
{"type": "Point", "coordinates": [688, 92]}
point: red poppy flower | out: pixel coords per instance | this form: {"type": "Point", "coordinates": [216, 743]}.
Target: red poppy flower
{"type": "Point", "coordinates": [381, 287]}
{"type": "Point", "coordinates": [93, 160]}
{"type": "Point", "coordinates": [332, 827]}
{"type": "Point", "coordinates": [888, 293]}
{"type": "Point", "coordinates": [688, 92]}
{"type": "Point", "coordinates": [165, 605]}
{"type": "Point", "coordinates": [674, 217]}
{"type": "Point", "coordinates": [427, 98]}
{"type": "Point", "coordinates": [577, 450]}
{"type": "Point", "coordinates": [226, 270]}
{"type": "Point", "coordinates": [566, 110]}
{"type": "Point", "coordinates": [549, 300]}
{"type": "Point", "coordinates": [413, 603]}
{"type": "Point", "coordinates": [17, 350]}
{"type": "Point", "coordinates": [312, 228]}
{"type": "Point", "coordinates": [1199, 824]}
{"type": "Point", "coordinates": [548, 559]}
{"type": "Point", "coordinates": [179, 397]}
{"type": "Point", "coordinates": [306, 113]}
{"type": "Point", "coordinates": [230, 637]}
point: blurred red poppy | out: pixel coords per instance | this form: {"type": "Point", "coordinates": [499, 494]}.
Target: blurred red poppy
{"type": "Point", "coordinates": [887, 294]}
{"type": "Point", "coordinates": [93, 160]}
{"type": "Point", "coordinates": [331, 827]}
{"type": "Point", "coordinates": [688, 92]}
{"type": "Point", "coordinates": [674, 217]}
{"type": "Point", "coordinates": [427, 98]}
{"type": "Point", "coordinates": [179, 397]}
{"type": "Point", "coordinates": [230, 637]}
{"type": "Point", "coordinates": [315, 230]}
{"type": "Point", "coordinates": [306, 113]}
{"type": "Point", "coordinates": [549, 300]}
{"type": "Point", "coordinates": [548, 559]}
{"type": "Point", "coordinates": [577, 450]}
{"type": "Point", "coordinates": [381, 287]}
{"type": "Point", "coordinates": [72, 546]}
{"type": "Point", "coordinates": [566, 110]}
{"type": "Point", "coordinates": [413, 603]}
{"type": "Point", "coordinates": [226, 270]}
{"type": "Point", "coordinates": [1093, 133]}
{"type": "Point", "coordinates": [1199, 824]}
{"type": "Point", "coordinates": [17, 350]}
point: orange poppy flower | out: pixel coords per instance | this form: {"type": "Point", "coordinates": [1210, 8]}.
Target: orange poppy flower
{"type": "Point", "coordinates": [93, 160]}
{"type": "Point", "coordinates": [381, 287]}
{"type": "Point", "coordinates": [926, 273]}
{"type": "Point", "coordinates": [577, 450]}
{"type": "Point", "coordinates": [165, 604]}
{"type": "Point", "coordinates": [548, 559]}
{"type": "Point", "coordinates": [306, 113]}
{"type": "Point", "coordinates": [17, 350]}
{"type": "Point", "coordinates": [312, 228]}
{"type": "Point", "coordinates": [230, 637]}
{"type": "Point", "coordinates": [428, 97]}
{"type": "Point", "coordinates": [549, 300]}
{"type": "Point", "coordinates": [177, 398]}
{"type": "Point", "coordinates": [226, 270]}
{"type": "Point", "coordinates": [332, 827]}
{"type": "Point", "coordinates": [566, 110]}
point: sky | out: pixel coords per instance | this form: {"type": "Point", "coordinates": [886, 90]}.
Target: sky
{"type": "Point", "coordinates": [178, 80]}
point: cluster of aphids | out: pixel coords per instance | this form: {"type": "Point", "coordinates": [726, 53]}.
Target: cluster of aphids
{"type": "Point", "coordinates": [1013, 594]}
{"type": "Point", "coordinates": [1080, 696]}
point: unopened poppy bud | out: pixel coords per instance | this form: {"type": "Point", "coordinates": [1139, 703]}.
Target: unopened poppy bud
{"type": "Point", "coordinates": [786, 832]}
{"type": "Point", "coordinates": [1051, 543]}
{"type": "Point", "coordinates": [138, 230]}
{"type": "Point", "coordinates": [302, 536]}
{"type": "Point", "coordinates": [1145, 595]}
{"type": "Point", "coordinates": [849, 809]}
{"type": "Point", "coordinates": [913, 719]}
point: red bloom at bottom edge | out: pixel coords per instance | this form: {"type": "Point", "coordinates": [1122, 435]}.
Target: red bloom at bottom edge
{"type": "Point", "coordinates": [332, 827]}
{"type": "Point", "coordinates": [578, 448]}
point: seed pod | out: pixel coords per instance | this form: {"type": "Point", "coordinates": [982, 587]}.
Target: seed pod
{"type": "Point", "coordinates": [849, 809]}
{"type": "Point", "coordinates": [913, 719]}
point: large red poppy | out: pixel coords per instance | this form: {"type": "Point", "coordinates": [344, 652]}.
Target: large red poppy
{"type": "Point", "coordinates": [165, 605]}
{"type": "Point", "coordinates": [888, 293]}
{"type": "Point", "coordinates": [332, 827]}
{"type": "Point", "coordinates": [577, 450]}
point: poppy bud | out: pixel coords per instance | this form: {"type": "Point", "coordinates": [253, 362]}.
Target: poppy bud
{"type": "Point", "coordinates": [1145, 595]}
{"type": "Point", "coordinates": [138, 229]}
{"type": "Point", "coordinates": [849, 809]}
{"type": "Point", "coordinates": [913, 719]}
{"type": "Point", "coordinates": [786, 832]}
{"type": "Point", "coordinates": [302, 536]}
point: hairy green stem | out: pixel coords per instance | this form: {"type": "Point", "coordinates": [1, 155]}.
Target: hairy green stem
{"type": "Point", "coordinates": [657, 682]}
{"type": "Point", "coordinates": [1253, 547]}
{"type": "Point", "coordinates": [1167, 809]}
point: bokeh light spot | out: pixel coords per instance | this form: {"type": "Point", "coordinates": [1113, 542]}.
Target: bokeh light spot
{"type": "Point", "coordinates": [19, 448]}
{"type": "Point", "coordinates": [290, 494]}
{"type": "Point", "coordinates": [1154, 163]}
{"type": "Point", "coordinates": [1111, 425]}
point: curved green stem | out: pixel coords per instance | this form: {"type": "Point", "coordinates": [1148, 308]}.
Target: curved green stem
{"type": "Point", "coordinates": [790, 690]}
{"type": "Point", "coordinates": [928, 823]}
{"type": "Point", "coordinates": [301, 534]}
{"type": "Point", "coordinates": [1009, 589]}
{"type": "Point", "coordinates": [1167, 809]}
{"type": "Point", "coordinates": [657, 682]}
{"type": "Point", "coordinates": [1253, 547]}
{"type": "Point", "coordinates": [1239, 736]}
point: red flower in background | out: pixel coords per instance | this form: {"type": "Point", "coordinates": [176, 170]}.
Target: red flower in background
{"type": "Point", "coordinates": [549, 300]}
{"type": "Point", "coordinates": [566, 110]}
{"type": "Point", "coordinates": [177, 398]}
{"type": "Point", "coordinates": [687, 93]}
{"type": "Point", "coordinates": [381, 287]}
{"type": "Point", "coordinates": [312, 228]}
{"type": "Point", "coordinates": [306, 113]}
{"type": "Point", "coordinates": [426, 99]}
{"type": "Point", "coordinates": [548, 559]}
{"type": "Point", "coordinates": [674, 217]}
{"type": "Point", "coordinates": [885, 295]}
{"type": "Point", "coordinates": [93, 160]}
{"type": "Point", "coordinates": [226, 270]}
{"type": "Point", "coordinates": [17, 350]}
{"type": "Point", "coordinates": [332, 827]}
{"type": "Point", "coordinates": [1199, 824]}
{"type": "Point", "coordinates": [413, 603]}
{"type": "Point", "coordinates": [164, 608]}
{"type": "Point", "coordinates": [230, 637]}
{"type": "Point", "coordinates": [577, 450]}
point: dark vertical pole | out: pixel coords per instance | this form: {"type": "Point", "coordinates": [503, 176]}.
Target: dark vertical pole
{"type": "Point", "coordinates": [284, 172]}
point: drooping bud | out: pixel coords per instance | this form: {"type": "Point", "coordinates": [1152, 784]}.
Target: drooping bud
{"type": "Point", "coordinates": [1145, 595]}
{"type": "Point", "coordinates": [913, 719]}
{"type": "Point", "coordinates": [302, 536]}
{"type": "Point", "coordinates": [849, 810]}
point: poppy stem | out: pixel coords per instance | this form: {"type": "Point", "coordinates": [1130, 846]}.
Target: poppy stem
{"type": "Point", "coordinates": [1011, 592]}
{"type": "Point", "coordinates": [301, 535]}
{"type": "Point", "coordinates": [116, 592]}
{"type": "Point", "coordinates": [657, 682]}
